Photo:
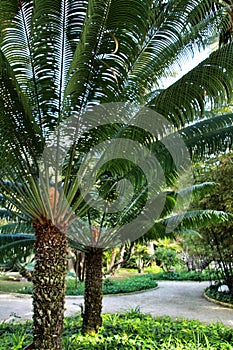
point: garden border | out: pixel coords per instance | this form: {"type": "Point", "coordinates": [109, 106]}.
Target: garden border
{"type": "Point", "coordinates": [222, 303]}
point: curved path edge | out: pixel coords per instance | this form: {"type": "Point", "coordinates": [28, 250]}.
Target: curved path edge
{"type": "Point", "coordinates": [178, 299]}
{"type": "Point", "coordinates": [218, 301]}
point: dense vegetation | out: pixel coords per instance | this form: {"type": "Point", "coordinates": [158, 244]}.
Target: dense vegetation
{"type": "Point", "coordinates": [110, 286]}
{"type": "Point", "coordinates": [216, 241]}
{"type": "Point", "coordinates": [59, 59]}
{"type": "Point", "coordinates": [214, 292]}
{"type": "Point", "coordinates": [132, 330]}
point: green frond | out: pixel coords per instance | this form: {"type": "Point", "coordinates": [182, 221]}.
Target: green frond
{"type": "Point", "coordinates": [15, 228]}
{"type": "Point", "coordinates": [15, 29]}
{"type": "Point", "coordinates": [15, 105]}
{"type": "Point", "coordinates": [12, 240]}
{"type": "Point", "coordinates": [51, 56]}
{"type": "Point", "coordinates": [212, 78]}
{"type": "Point", "coordinates": [177, 200]}
{"type": "Point", "coordinates": [185, 231]}
{"type": "Point", "coordinates": [210, 136]}
{"type": "Point", "coordinates": [24, 197]}
{"type": "Point", "coordinates": [178, 28]}
{"type": "Point", "coordinates": [196, 219]}
{"type": "Point", "coordinates": [185, 222]}
{"type": "Point", "coordinates": [15, 248]}
{"type": "Point", "coordinates": [19, 135]}
{"type": "Point", "coordinates": [198, 190]}
{"type": "Point", "coordinates": [86, 63]}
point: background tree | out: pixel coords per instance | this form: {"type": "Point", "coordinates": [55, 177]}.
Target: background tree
{"type": "Point", "coordinates": [217, 240]}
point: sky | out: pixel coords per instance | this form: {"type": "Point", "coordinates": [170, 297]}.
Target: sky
{"type": "Point", "coordinates": [191, 63]}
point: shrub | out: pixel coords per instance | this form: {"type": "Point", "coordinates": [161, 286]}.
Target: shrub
{"type": "Point", "coordinates": [213, 293]}
{"type": "Point", "coordinates": [129, 331]}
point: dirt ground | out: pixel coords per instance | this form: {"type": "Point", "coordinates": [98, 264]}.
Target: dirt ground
{"type": "Point", "coordinates": [175, 299]}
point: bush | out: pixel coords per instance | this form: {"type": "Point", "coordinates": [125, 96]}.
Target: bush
{"type": "Point", "coordinates": [115, 286]}
{"type": "Point", "coordinates": [213, 293]}
{"type": "Point", "coordinates": [110, 286]}
{"type": "Point", "coordinates": [129, 331]}
{"type": "Point", "coordinates": [185, 276]}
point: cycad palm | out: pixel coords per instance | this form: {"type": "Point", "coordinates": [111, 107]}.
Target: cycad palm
{"type": "Point", "coordinates": [59, 57]}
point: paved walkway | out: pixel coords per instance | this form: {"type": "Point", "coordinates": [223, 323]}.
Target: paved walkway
{"type": "Point", "coordinates": [175, 299]}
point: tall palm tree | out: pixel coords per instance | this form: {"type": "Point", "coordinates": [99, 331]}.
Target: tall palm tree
{"type": "Point", "coordinates": [59, 58]}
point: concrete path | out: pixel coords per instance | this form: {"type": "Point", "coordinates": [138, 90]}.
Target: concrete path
{"type": "Point", "coordinates": [175, 299]}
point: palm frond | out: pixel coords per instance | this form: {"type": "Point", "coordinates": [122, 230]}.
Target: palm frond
{"type": "Point", "coordinates": [210, 136]}
{"type": "Point", "coordinates": [10, 240]}
{"type": "Point", "coordinates": [113, 35]}
{"type": "Point", "coordinates": [13, 228]}
{"type": "Point", "coordinates": [51, 55]}
{"type": "Point", "coordinates": [198, 190]}
{"type": "Point", "coordinates": [182, 223]}
{"type": "Point", "coordinates": [212, 78]}
{"type": "Point", "coordinates": [179, 27]}
{"type": "Point", "coordinates": [196, 219]}
{"type": "Point", "coordinates": [15, 108]}
{"type": "Point", "coordinates": [15, 248]}
{"type": "Point", "coordinates": [16, 44]}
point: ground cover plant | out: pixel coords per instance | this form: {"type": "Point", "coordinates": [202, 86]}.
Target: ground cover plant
{"type": "Point", "coordinates": [131, 330]}
{"type": "Point", "coordinates": [186, 276]}
{"type": "Point", "coordinates": [223, 296]}
{"type": "Point", "coordinates": [110, 286]}
{"type": "Point", "coordinates": [132, 283]}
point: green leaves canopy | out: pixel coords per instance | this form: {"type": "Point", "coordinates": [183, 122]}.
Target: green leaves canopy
{"type": "Point", "coordinates": [58, 58]}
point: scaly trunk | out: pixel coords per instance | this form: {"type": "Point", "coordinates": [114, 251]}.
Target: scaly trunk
{"type": "Point", "coordinates": [49, 286]}
{"type": "Point", "coordinates": [93, 292]}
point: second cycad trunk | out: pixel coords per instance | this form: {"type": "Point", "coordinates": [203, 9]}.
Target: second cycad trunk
{"type": "Point", "coordinates": [93, 291]}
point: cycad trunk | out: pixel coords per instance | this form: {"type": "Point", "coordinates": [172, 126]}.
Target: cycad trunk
{"type": "Point", "coordinates": [93, 292]}
{"type": "Point", "coordinates": [49, 287]}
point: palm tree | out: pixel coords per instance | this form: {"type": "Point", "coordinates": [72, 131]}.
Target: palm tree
{"type": "Point", "coordinates": [17, 246]}
{"type": "Point", "coordinates": [59, 58]}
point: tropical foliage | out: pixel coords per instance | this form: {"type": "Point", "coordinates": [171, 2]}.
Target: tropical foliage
{"type": "Point", "coordinates": [60, 58]}
{"type": "Point", "coordinates": [217, 242]}
{"type": "Point", "coordinates": [132, 330]}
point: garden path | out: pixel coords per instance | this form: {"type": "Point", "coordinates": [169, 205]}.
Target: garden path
{"type": "Point", "coordinates": [172, 298]}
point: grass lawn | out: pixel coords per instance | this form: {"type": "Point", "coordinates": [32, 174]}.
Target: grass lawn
{"type": "Point", "coordinates": [11, 283]}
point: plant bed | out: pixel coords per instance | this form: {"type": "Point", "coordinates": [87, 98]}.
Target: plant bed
{"type": "Point", "coordinates": [110, 286]}
{"type": "Point", "coordinates": [117, 286]}
{"type": "Point", "coordinates": [213, 294]}
{"type": "Point", "coordinates": [129, 331]}
{"type": "Point", "coordinates": [184, 276]}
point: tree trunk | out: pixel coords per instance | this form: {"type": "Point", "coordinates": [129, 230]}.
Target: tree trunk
{"type": "Point", "coordinates": [113, 258]}
{"type": "Point", "coordinates": [80, 265]}
{"type": "Point", "coordinates": [93, 292]}
{"type": "Point", "coordinates": [49, 286]}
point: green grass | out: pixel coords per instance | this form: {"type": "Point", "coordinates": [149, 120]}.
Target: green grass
{"type": "Point", "coordinates": [11, 284]}
{"type": "Point", "coordinates": [129, 331]}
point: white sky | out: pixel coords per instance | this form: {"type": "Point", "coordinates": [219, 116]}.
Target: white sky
{"type": "Point", "coordinates": [198, 57]}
